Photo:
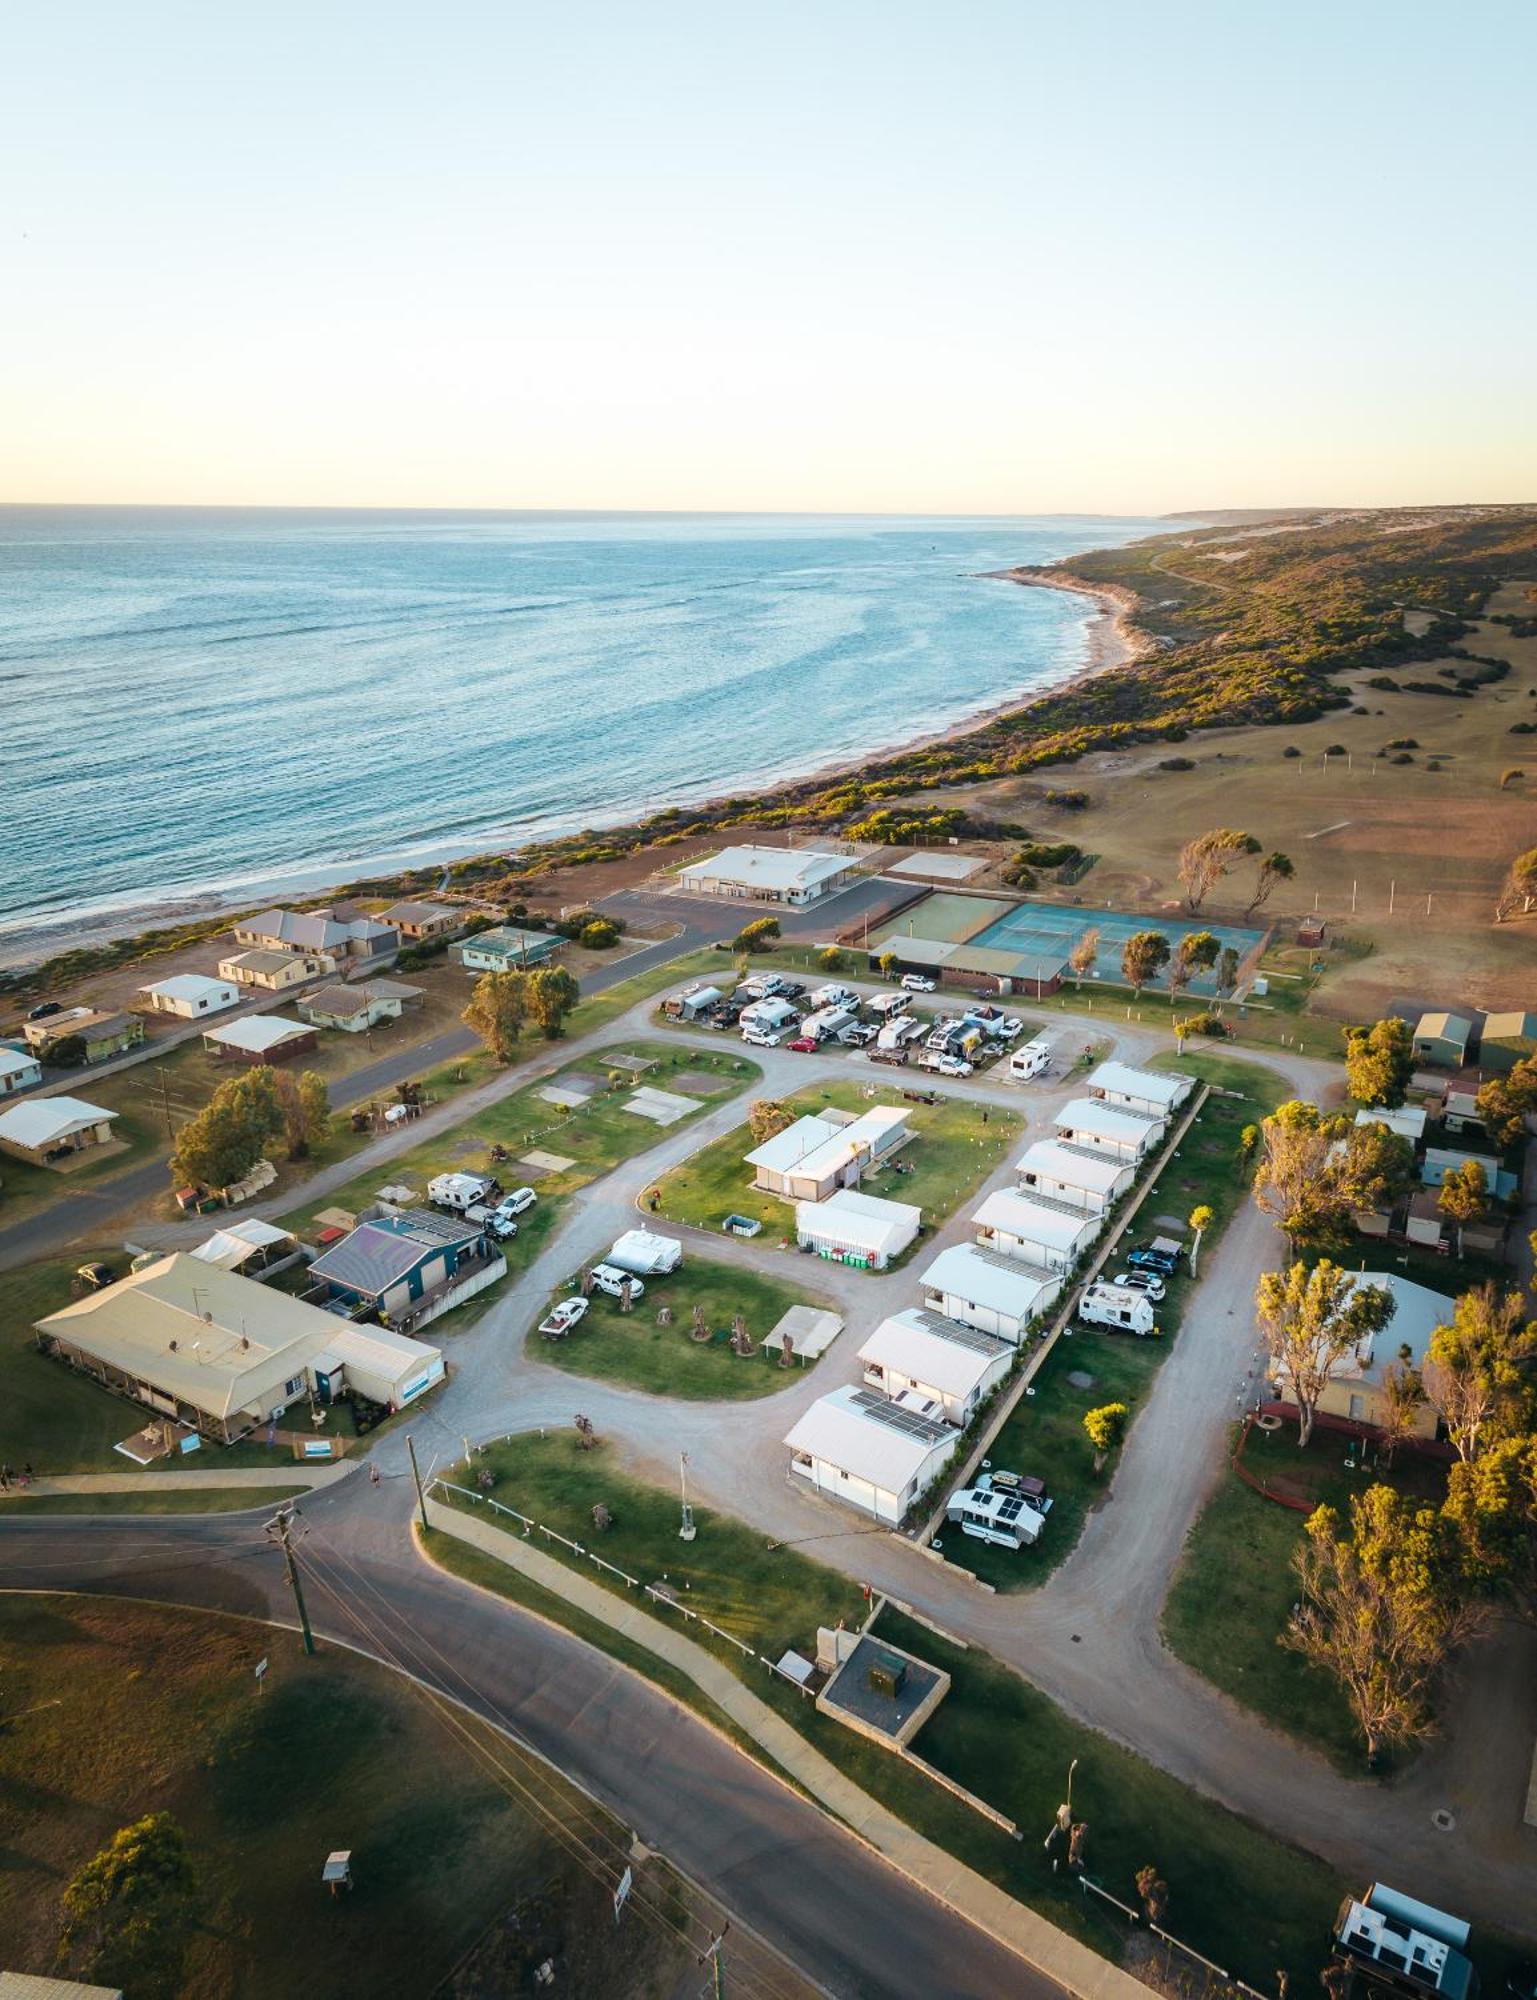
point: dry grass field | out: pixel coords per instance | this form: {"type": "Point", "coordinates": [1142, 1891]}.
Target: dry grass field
{"type": "Point", "coordinates": [1359, 828]}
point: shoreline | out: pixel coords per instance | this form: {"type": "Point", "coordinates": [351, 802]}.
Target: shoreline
{"type": "Point", "coordinates": [1109, 642]}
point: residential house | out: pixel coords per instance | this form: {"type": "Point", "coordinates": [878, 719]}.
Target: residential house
{"type": "Point", "coordinates": [937, 1360]}
{"type": "Point", "coordinates": [44, 1130]}
{"type": "Point", "coordinates": [1426, 1225]}
{"type": "Point", "coordinates": [858, 1229]}
{"type": "Point", "coordinates": [1406, 1121]}
{"type": "Point", "coordinates": [1442, 1040]}
{"type": "Point", "coordinates": [1354, 1397]}
{"type": "Point", "coordinates": [995, 1294]}
{"type": "Point", "coordinates": [1099, 1127]}
{"type": "Point", "coordinates": [793, 876]}
{"type": "Point", "coordinates": [1091, 1181]}
{"type": "Point", "coordinates": [353, 941]}
{"type": "Point", "coordinates": [276, 971]}
{"type": "Point", "coordinates": [350, 1008]}
{"type": "Point", "coordinates": [18, 1071]}
{"type": "Point", "coordinates": [1507, 1040]}
{"type": "Point", "coordinates": [857, 1446]}
{"type": "Point", "coordinates": [1440, 1160]}
{"type": "Point", "coordinates": [507, 949]}
{"type": "Point", "coordinates": [1459, 1105]}
{"type": "Point", "coordinates": [1049, 1235]}
{"type": "Point", "coordinates": [425, 922]}
{"type": "Point", "coordinates": [812, 1157]}
{"type": "Point", "coordinates": [189, 995]}
{"type": "Point", "coordinates": [101, 1035]}
{"type": "Point", "coordinates": [401, 1266]}
{"type": "Point", "coordinates": [224, 1354]}
{"type": "Point", "coordinates": [260, 1038]}
{"type": "Point", "coordinates": [1148, 1091]}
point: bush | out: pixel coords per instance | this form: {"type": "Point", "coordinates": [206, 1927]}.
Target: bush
{"type": "Point", "coordinates": [1384, 683]}
{"type": "Point", "coordinates": [1523, 729]}
{"type": "Point", "coordinates": [833, 960]}
{"type": "Point", "coordinates": [1510, 777]}
{"type": "Point", "coordinates": [600, 935]}
{"type": "Point", "coordinates": [1336, 750]}
{"type": "Point", "coordinates": [1176, 763]}
{"type": "Point", "coordinates": [1069, 801]}
{"type": "Point", "coordinates": [1403, 743]}
{"type": "Point", "coordinates": [1209, 1022]}
{"type": "Point", "coordinates": [1291, 750]}
{"type": "Point", "coordinates": [757, 936]}
{"type": "Point", "coordinates": [1403, 757]}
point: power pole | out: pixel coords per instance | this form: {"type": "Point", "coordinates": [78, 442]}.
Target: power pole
{"type": "Point", "coordinates": [279, 1529]}
{"type": "Point", "coordinates": [421, 1498]}
{"type": "Point", "coordinates": [165, 1104]}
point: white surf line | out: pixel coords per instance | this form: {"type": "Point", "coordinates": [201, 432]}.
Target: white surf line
{"type": "Point", "coordinates": [1327, 829]}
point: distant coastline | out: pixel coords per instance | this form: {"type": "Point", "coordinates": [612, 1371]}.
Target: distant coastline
{"type": "Point", "coordinates": [1109, 642]}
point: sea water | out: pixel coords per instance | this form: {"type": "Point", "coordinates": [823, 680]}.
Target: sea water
{"type": "Point", "coordinates": [200, 701]}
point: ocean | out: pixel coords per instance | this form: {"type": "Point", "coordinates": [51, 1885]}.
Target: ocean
{"type": "Point", "coordinates": [205, 703]}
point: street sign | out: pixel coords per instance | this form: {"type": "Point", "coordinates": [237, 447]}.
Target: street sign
{"type": "Point", "coordinates": [622, 1893]}
{"type": "Point", "coordinates": [261, 1672]}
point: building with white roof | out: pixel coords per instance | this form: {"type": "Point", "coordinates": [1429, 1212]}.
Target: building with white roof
{"type": "Point", "coordinates": [1103, 1128]}
{"type": "Point", "coordinates": [938, 1360]}
{"type": "Point", "coordinates": [208, 1348]}
{"type": "Point", "coordinates": [188, 995]}
{"type": "Point", "coordinates": [1082, 1179]}
{"type": "Point", "coordinates": [1355, 1395]}
{"type": "Point", "coordinates": [812, 1157]}
{"type": "Point", "coordinates": [876, 1454]}
{"type": "Point", "coordinates": [1406, 1121]}
{"type": "Point", "coordinates": [261, 1038]}
{"type": "Point", "coordinates": [48, 1128]}
{"type": "Point", "coordinates": [1045, 1234]}
{"type": "Point", "coordinates": [853, 1228]}
{"type": "Point", "coordinates": [18, 1071]}
{"type": "Point", "coordinates": [249, 1246]}
{"type": "Point", "coordinates": [995, 1294]}
{"type": "Point", "coordinates": [1152, 1092]}
{"type": "Point", "coordinates": [790, 875]}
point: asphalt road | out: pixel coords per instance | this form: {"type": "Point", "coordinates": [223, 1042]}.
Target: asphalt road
{"type": "Point", "coordinates": [816, 1893]}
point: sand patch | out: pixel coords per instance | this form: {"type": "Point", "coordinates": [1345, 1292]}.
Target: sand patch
{"type": "Point", "coordinates": [564, 1096]}
{"type": "Point", "coordinates": [546, 1163]}
{"type": "Point", "coordinates": [660, 1106]}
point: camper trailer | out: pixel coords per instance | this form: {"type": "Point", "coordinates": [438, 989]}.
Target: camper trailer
{"type": "Point", "coordinates": [462, 1192]}
{"type": "Point", "coordinates": [827, 1022]}
{"type": "Point", "coordinates": [1118, 1308]}
{"type": "Point", "coordinates": [646, 1253]}
{"type": "Point", "coordinates": [886, 1006]}
{"type": "Point", "coordinates": [998, 1514]}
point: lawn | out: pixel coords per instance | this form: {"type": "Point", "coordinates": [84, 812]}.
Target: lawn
{"type": "Point", "coordinates": [632, 1349]}
{"type": "Point", "coordinates": [954, 1147]}
{"type": "Point", "coordinates": [130, 1709]}
{"type": "Point", "coordinates": [1044, 1435]}
{"type": "Point", "coordinates": [1235, 1587]}
{"type": "Point", "coordinates": [994, 1732]}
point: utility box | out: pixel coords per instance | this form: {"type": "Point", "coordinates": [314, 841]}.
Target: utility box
{"type": "Point", "coordinates": [887, 1673]}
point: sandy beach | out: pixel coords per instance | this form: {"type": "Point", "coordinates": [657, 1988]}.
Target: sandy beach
{"type": "Point", "coordinates": [1110, 642]}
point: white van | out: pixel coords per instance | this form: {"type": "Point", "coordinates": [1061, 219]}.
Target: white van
{"type": "Point", "coordinates": [1117, 1307]}
{"type": "Point", "coordinates": [1031, 1060]}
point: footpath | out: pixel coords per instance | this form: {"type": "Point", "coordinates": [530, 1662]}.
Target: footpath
{"type": "Point", "coordinates": [1051, 1951]}
{"type": "Point", "coordinates": [254, 1477]}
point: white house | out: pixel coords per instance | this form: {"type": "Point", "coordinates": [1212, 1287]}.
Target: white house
{"type": "Point", "coordinates": [188, 995]}
{"type": "Point", "coordinates": [1035, 1232]}
{"type": "Point", "coordinates": [812, 1157]}
{"type": "Point", "coordinates": [47, 1128]}
{"type": "Point", "coordinates": [1149, 1091]}
{"type": "Point", "coordinates": [938, 1359]}
{"type": "Point", "coordinates": [1090, 1181]}
{"type": "Point", "coordinates": [992, 1293]}
{"type": "Point", "coordinates": [854, 1228]}
{"type": "Point", "coordinates": [18, 1071]}
{"type": "Point", "coordinates": [878, 1455]}
{"type": "Point", "coordinates": [1102, 1128]}
{"type": "Point", "coordinates": [790, 875]}
{"type": "Point", "coordinates": [1407, 1121]}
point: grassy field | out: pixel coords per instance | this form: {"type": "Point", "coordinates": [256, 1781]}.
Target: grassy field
{"type": "Point", "coordinates": [1235, 1587]}
{"type": "Point", "coordinates": [951, 1153]}
{"type": "Point", "coordinates": [993, 1732]}
{"type": "Point", "coordinates": [124, 1717]}
{"type": "Point", "coordinates": [1044, 1436]}
{"type": "Point", "coordinates": [632, 1349]}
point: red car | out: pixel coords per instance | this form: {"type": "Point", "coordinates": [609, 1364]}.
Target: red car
{"type": "Point", "coordinates": [803, 1045]}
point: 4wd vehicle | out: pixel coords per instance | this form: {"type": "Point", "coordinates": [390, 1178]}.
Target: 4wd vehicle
{"type": "Point", "coordinates": [1142, 1281]}
{"type": "Point", "coordinates": [514, 1204]}
{"type": "Point", "coordinates": [560, 1319]}
{"type": "Point", "coordinates": [1157, 1261]}
{"type": "Point", "coordinates": [44, 1008]}
{"type": "Point", "coordinates": [763, 1038]}
{"type": "Point", "coordinates": [610, 1279]}
{"type": "Point", "coordinates": [918, 982]}
{"type": "Point", "coordinates": [954, 1066]}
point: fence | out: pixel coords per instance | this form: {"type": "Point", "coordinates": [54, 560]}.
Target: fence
{"type": "Point", "coordinates": [650, 1590]}
{"type": "Point", "coordinates": [1183, 1971]}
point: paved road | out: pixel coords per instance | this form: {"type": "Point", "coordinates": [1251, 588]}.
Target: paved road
{"type": "Point", "coordinates": [815, 1892]}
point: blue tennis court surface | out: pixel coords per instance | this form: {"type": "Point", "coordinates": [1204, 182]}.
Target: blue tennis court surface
{"type": "Point", "coordinates": [1052, 929]}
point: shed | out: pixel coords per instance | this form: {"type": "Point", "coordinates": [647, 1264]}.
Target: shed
{"type": "Point", "coordinates": [1072, 1174]}
{"type": "Point", "coordinates": [853, 1228]}
{"type": "Point", "coordinates": [1507, 1039]}
{"type": "Point", "coordinates": [189, 995]}
{"type": "Point", "coordinates": [855, 1445]}
{"type": "Point", "coordinates": [385, 1366]}
{"type": "Point", "coordinates": [261, 1038]}
{"type": "Point", "coordinates": [993, 1293]}
{"type": "Point", "coordinates": [44, 1129]}
{"type": "Point", "coordinates": [1442, 1040]}
{"type": "Point", "coordinates": [814, 1156]}
{"type": "Point", "coordinates": [938, 1358]}
{"type": "Point", "coordinates": [1049, 1234]}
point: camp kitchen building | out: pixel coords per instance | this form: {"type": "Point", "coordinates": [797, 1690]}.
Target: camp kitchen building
{"type": "Point", "coordinates": [224, 1354]}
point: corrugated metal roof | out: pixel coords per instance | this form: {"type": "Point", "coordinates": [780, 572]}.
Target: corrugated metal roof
{"type": "Point", "coordinates": [43, 1121]}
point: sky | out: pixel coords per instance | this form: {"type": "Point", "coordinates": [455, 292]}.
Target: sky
{"type": "Point", "coordinates": [964, 258]}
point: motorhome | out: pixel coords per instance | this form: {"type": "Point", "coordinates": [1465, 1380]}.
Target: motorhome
{"type": "Point", "coordinates": [462, 1192]}
{"type": "Point", "coordinates": [1118, 1307]}
{"type": "Point", "coordinates": [999, 1515]}
{"type": "Point", "coordinates": [1031, 1060]}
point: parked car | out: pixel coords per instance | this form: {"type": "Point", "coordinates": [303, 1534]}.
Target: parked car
{"type": "Point", "coordinates": [1157, 1261]}
{"type": "Point", "coordinates": [514, 1204]}
{"type": "Point", "coordinates": [918, 982]}
{"type": "Point", "coordinates": [560, 1319]}
{"type": "Point", "coordinates": [954, 1066]}
{"type": "Point", "coordinates": [93, 1278]}
{"type": "Point", "coordinates": [764, 1038]}
{"type": "Point", "coordinates": [791, 989]}
{"type": "Point", "coordinates": [493, 1222]}
{"type": "Point", "coordinates": [44, 1008]}
{"type": "Point", "coordinates": [1142, 1281]}
{"type": "Point", "coordinates": [740, 1225]}
{"type": "Point", "coordinates": [803, 1045]}
{"type": "Point", "coordinates": [1008, 1031]}
{"type": "Point", "coordinates": [860, 1036]}
{"type": "Point", "coordinates": [610, 1279]}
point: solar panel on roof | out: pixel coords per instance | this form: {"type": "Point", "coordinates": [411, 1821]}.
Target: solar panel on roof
{"type": "Point", "coordinates": [895, 1418]}
{"type": "Point", "coordinates": [969, 1337]}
